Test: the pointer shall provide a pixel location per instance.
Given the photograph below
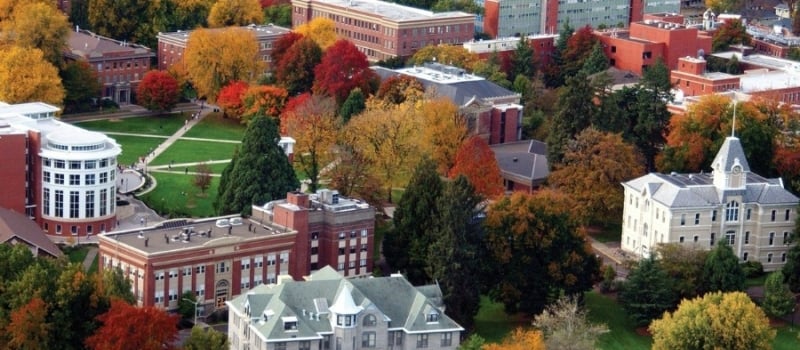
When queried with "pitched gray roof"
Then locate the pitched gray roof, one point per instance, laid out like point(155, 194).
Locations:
point(394, 296)
point(459, 92)
point(14, 225)
point(523, 161)
point(730, 151)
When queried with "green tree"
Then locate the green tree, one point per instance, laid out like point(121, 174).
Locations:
point(652, 116)
point(778, 299)
point(791, 270)
point(565, 326)
point(684, 265)
point(279, 14)
point(728, 321)
point(79, 13)
point(406, 245)
point(80, 85)
point(648, 292)
point(576, 110)
point(456, 254)
point(597, 60)
point(353, 105)
point(522, 60)
point(721, 271)
point(474, 342)
point(206, 339)
point(261, 172)
point(186, 305)
point(537, 251)
point(76, 303)
point(553, 76)
point(114, 284)
point(490, 69)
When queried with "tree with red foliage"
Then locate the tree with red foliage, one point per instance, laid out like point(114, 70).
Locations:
point(293, 105)
point(476, 161)
point(130, 327)
point(342, 69)
point(295, 70)
point(264, 100)
point(158, 90)
point(29, 328)
point(230, 99)
point(282, 45)
point(579, 47)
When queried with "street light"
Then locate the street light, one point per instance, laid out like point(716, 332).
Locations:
point(195, 308)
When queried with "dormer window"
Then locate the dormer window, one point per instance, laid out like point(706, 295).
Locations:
point(267, 315)
point(370, 321)
point(432, 317)
point(289, 323)
point(346, 320)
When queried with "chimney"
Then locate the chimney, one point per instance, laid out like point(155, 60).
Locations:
point(297, 198)
point(146, 240)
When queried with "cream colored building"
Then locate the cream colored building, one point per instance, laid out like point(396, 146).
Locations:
point(753, 214)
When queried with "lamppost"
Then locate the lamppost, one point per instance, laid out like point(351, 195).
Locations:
point(195, 308)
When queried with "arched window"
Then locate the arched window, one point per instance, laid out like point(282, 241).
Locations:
point(732, 211)
point(370, 321)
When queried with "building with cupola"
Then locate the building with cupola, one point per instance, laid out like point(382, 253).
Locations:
point(56, 174)
point(328, 311)
point(754, 215)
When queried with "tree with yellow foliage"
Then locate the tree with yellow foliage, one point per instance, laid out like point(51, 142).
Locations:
point(235, 13)
point(25, 76)
point(37, 25)
point(721, 6)
point(521, 339)
point(7, 6)
point(321, 30)
point(443, 132)
point(451, 55)
point(215, 58)
point(312, 123)
point(718, 320)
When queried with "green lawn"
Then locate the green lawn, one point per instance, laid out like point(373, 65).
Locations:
point(177, 196)
point(756, 281)
point(213, 126)
point(492, 323)
point(76, 254)
point(622, 333)
point(163, 124)
point(185, 151)
point(786, 339)
point(217, 168)
point(608, 233)
point(134, 146)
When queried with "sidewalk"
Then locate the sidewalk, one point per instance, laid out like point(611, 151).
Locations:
point(90, 256)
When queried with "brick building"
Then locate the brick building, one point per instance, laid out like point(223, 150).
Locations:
point(219, 258)
point(171, 45)
point(504, 18)
point(120, 65)
point(692, 79)
point(383, 30)
point(57, 174)
point(658, 36)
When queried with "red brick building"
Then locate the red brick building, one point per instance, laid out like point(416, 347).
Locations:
point(119, 65)
point(644, 42)
point(383, 30)
point(692, 79)
point(171, 46)
point(220, 258)
point(59, 175)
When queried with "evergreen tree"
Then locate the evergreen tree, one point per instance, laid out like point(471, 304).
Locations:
point(522, 60)
point(406, 245)
point(648, 292)
point(553, 75)
point(597, 60)
point(576, 110)
point(224, 179)
point(721, 271)
point(791, 270)
point(778, 299)
point(353, 105)
point(653, 117)
point(262, 172)
point(456, 255)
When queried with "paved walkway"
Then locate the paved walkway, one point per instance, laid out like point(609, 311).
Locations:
point(90, 256)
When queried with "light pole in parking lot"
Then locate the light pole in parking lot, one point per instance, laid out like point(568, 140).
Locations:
point(195, 308)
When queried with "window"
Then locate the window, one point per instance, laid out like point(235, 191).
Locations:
point(46, 177)
point(447, 339)
point(353, 234)
point(786, 216)
point(748, 213)
point(340, 267)
point(246, 285)
point(74, 179)
point(785, 237)
point(314, 236)
point(364, 232)
point(89, 179)
point(58, 228)
point(711, 241)
point(280, 346)
point(246, 264)
point(352, 249)
point(46, 202)
point(747, 237)
point(305, 345)
point(351, 264)
point(74, 230)
point(696, 238)
point(680, 239)
point(773, 215)
point(103, 178)
point(74, 204)
point(59, 179)
point(730, 237)
point(697, 218)
point(173, 273)
point(270, 259)
point(432, 317)
point(368, 340)
point(364, 247)
point(59, 204)
point(771, 238)
point(200, 269)
point(341, 235)
point(284, 258)
point(58, 164)
point(713, 215)
point(159, 275)
point(370, 321)
point(683, 219)
point(783, 257)
point(362, 262)
point(103, 202)
point(341, 251)
point(187, 271)
point(221, 267)
point(90, 164)
point(422, 341)
point(74, 164)
point(732, 211)
point(259, 262)
point(769, 257)
point(744, 256)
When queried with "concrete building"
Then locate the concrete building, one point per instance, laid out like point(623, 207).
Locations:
point(383, 30)
point(504, 18)
point(220, 258)
point(119, 65)
point(657, 36)
point(543, 47)
point(327, 311)
point(492, 112)
point(752, 214)
point(172, 45)
point(57, 174)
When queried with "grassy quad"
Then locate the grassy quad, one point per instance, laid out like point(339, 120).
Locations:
point(162, 125)
point(213, 126)
point(177, 196)
point(189, 151)
point(134, 146)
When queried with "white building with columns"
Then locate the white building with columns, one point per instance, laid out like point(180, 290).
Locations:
point(753, 214)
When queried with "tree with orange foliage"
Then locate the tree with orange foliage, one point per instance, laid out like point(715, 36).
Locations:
point(29, 328)
point(443, 132)
point(398, 88)
point(342, 69)
point(158, 91)
point(538, 250)
point(263, 100)
point(312, 123)
point(594, 165)
point(230, 99)
point(520, 339)
point(129, 327)
point(476, 161)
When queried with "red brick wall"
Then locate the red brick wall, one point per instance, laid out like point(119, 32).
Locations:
point(628, 55)
point(551, 17)
point(771, 49)
point(13, 172)
point(490, 17)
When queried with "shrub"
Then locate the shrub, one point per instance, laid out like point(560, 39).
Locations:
point(753, 269)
